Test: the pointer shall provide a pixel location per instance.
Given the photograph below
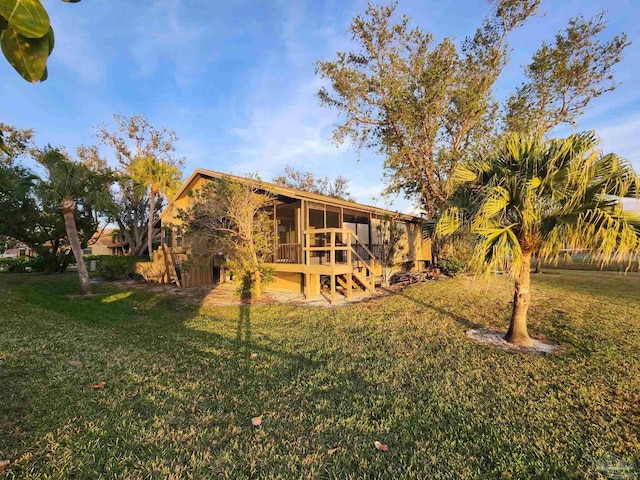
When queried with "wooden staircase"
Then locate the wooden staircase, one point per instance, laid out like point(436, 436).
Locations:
point(354, 281)
point(350, 263)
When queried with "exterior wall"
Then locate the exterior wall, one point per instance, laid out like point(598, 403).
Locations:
point(102, 244)
point(183, 202)
point(286, 281)
point(100, 249)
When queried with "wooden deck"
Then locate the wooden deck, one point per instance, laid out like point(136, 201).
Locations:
point(334, 252)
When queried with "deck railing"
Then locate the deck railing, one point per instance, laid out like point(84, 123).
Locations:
point(288, 253)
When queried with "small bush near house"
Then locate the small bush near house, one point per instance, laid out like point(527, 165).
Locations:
point(451, 266)
point(37, 264)
point(118, 268)
point(14, 265)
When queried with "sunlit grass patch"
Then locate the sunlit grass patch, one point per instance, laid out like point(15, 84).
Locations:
point(115, 297)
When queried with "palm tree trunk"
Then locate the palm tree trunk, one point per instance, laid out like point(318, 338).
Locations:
point(152, 202)
point(68, 207)
point(518, 333)
point(538, 265)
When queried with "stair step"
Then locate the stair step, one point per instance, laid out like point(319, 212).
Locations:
point(362, 280)
point(343, 283)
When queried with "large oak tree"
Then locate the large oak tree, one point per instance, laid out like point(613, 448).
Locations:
point(424, 105)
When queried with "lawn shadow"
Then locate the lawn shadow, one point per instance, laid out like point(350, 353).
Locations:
point(154, 332)
point(464, 322)
point(243, 332)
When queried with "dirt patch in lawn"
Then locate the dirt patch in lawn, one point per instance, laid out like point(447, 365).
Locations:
point(495, 338)
point(226, 294)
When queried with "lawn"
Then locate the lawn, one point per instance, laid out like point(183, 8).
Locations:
point(182, 384)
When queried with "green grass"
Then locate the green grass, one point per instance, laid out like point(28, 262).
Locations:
point(182, 388)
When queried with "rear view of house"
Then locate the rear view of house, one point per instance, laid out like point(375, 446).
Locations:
point(318, 238)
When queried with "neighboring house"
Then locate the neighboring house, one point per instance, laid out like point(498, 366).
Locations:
point(103, 242)
point(317, 237)
point(20, 250)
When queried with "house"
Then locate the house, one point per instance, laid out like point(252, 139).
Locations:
point(318, 239)
point(19, 250)
point(106, 242)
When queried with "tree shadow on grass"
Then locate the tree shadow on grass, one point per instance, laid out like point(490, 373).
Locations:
point(464, 322)
point(243, 332)
point(156, 365)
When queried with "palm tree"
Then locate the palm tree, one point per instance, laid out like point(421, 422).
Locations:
point(68, 183)
point(117, 236)
point(159, 178)
point(536, 197)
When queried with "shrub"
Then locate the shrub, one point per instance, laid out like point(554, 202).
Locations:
point(150, 271)
point(37, 264)
point(451, 266)
point(118, 268)
point(14, 265)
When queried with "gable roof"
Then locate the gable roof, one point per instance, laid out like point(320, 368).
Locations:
point(291, 193)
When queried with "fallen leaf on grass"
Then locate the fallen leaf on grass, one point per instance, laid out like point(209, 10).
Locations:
point(99, 385)
point(331, 451)
point(253, 355)
point(4, 464)
point(256, 421)
point(381, 446)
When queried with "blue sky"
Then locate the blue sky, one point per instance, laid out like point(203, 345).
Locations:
point(236, 79)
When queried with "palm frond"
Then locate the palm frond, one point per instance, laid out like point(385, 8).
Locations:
point(545, 197)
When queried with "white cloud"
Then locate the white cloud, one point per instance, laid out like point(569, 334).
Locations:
point(294, 131)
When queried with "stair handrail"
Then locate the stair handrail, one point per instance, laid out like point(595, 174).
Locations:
point(368, 266)
point(366, 249)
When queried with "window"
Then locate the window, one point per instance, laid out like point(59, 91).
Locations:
point(86, 251)
point(179, 237)
point(168, 237)
point(377, 231)
point(316, 218)
point(333, 219)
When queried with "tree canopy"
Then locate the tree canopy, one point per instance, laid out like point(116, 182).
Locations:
point(307, 181)
point(427, 106)
point(14, 143)
point(71, 185)
point(158, 179)
point(136, 143)
point(423, 105)
point(564, 77)
point(234, 219)
point(29, 215)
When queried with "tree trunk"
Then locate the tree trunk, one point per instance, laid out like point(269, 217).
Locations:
point(68, 207)
point(257, 284)
point(152, 199)
point(385, 275)
point(518, 333)
point(538, 265)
